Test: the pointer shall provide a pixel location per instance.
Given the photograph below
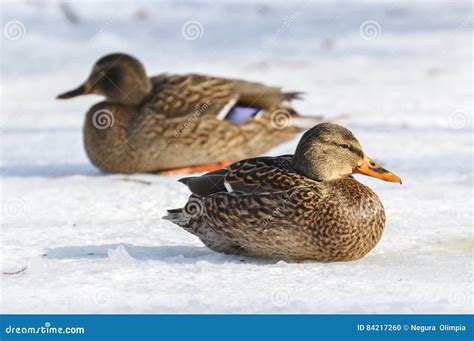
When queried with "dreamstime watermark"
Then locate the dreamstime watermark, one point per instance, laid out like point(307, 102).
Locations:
point(461, 296)
point(103, 296)
point(279, 210)
point(370, 30)
point(192, 30)
point(193, 207)
point(103, 119)
point(107, 25)
point(14, 30)
point(281, 297)
point(287, 22)
point(464, 24)
point(199, 110)
point(14, 207)
point(280, 119)
point(46, 329)
point(459, 120)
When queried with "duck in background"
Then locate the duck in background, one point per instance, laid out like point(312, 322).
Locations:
point(173, 124)
point(305, 206)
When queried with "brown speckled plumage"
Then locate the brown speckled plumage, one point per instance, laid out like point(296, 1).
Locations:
point(174, 121)
point(265, 207)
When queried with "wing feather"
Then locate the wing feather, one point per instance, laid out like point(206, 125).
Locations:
point(181, 95)
point(256, 175)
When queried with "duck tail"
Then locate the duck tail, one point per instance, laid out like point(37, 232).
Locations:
point(178, 217)
point(291, 95)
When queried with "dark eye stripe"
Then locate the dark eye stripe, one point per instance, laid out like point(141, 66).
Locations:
point(352, 149)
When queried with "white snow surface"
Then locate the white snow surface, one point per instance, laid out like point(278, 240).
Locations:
point(407, 91)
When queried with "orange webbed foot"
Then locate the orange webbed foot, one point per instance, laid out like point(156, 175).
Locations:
point(209, 167)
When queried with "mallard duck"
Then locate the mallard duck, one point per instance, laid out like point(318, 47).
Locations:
point(305, 206)
point(180, 123)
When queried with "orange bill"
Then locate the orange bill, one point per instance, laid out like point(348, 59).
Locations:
point(84, 89)
point(373, 169)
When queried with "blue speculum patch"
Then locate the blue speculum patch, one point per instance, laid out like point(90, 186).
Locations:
point(241, 114)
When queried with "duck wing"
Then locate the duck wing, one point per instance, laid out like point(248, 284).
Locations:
point(227, 99)
point(256, 175)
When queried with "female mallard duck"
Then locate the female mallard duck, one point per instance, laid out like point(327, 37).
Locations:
point(301, 206)
point(178, 123)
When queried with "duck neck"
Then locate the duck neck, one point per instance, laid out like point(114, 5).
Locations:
point(133, 97)
point(105, 133)
point(318, 162)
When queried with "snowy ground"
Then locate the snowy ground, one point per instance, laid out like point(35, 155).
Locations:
point(401, 70)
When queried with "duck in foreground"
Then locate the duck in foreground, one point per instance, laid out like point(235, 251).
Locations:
point(305, 206)
point(180, 123)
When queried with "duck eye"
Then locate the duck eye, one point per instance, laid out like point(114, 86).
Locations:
point(346, 146)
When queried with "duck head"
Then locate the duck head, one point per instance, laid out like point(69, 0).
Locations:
point(328, 151)
point(119, 77)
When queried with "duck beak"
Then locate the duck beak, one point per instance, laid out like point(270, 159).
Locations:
point(84, 89)
point(373, 169)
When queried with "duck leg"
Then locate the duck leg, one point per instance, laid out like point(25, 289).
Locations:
point(207, 167)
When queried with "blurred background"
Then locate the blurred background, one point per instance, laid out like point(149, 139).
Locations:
point(400, 70)
point(341, 53)
point(395, 63)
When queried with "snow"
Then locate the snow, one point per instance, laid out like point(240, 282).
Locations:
point(407, 91)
